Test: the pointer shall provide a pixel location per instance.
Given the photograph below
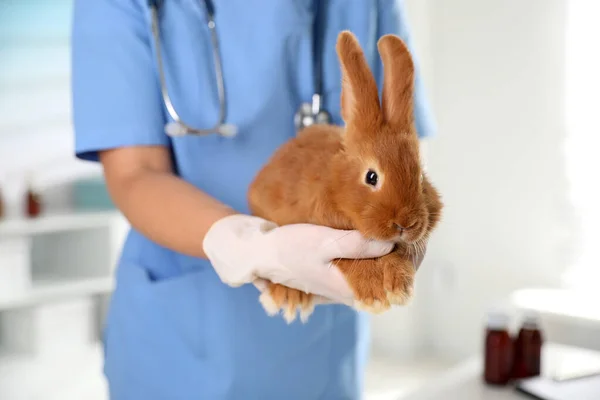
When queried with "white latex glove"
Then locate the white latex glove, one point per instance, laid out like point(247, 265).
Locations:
point(244, 248)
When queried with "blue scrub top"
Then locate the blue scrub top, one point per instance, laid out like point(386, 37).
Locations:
point(174, 331)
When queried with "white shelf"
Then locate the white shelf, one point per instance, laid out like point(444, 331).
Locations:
point(56, 223)
point(44, 291)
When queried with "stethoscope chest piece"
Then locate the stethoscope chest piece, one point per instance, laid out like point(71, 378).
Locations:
point(314, 112)
point(307, 116)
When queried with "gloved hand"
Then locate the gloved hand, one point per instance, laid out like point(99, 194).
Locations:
point(243, 249)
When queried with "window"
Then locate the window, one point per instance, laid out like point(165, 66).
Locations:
point(35, 94)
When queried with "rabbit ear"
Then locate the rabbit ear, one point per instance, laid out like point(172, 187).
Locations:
point(360, 97)
point(398, 84)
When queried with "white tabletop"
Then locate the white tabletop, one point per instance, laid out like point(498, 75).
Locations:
point(465, 382)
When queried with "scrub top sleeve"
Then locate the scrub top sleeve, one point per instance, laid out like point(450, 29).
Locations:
point(115, 91)
point(392, 18)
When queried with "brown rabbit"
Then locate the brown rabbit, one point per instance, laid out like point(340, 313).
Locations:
point(366, 176)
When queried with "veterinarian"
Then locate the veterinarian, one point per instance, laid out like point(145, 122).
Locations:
point(178, 154)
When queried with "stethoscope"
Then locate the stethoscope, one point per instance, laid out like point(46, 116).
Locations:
point(307, 114)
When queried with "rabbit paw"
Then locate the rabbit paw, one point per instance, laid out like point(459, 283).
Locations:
point(277, 297)
point(398, 276)
point(366, 278)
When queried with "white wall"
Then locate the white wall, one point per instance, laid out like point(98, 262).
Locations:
point(498, 160)
point(518, 177)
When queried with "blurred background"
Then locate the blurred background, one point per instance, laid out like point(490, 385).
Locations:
point(515, 90)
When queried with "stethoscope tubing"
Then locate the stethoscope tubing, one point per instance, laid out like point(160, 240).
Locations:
point(179, 128)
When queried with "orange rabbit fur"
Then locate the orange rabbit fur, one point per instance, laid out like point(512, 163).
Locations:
point(365, 176)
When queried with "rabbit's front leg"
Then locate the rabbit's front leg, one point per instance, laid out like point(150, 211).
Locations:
point(399, 273)
point(381, 282)
point(366, 278)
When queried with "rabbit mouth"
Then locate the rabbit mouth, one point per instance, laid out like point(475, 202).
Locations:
point(398, 227)
point(403, 238)
point(408, 235)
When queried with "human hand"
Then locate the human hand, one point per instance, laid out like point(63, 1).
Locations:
point(245, 248)
point(263, 285)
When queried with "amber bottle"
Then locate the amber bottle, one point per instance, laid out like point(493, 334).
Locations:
point(528, 348)
point(34, 204)
point(498, 357)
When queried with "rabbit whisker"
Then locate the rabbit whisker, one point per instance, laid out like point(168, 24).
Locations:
point(340, 238)
point(416, 251)
point(335, 241)
point(360, 254)
point(418, 248)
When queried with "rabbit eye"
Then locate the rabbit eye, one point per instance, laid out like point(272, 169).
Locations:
point(371, 178)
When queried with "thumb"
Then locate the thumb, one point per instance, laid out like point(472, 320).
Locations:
point(352, 244)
